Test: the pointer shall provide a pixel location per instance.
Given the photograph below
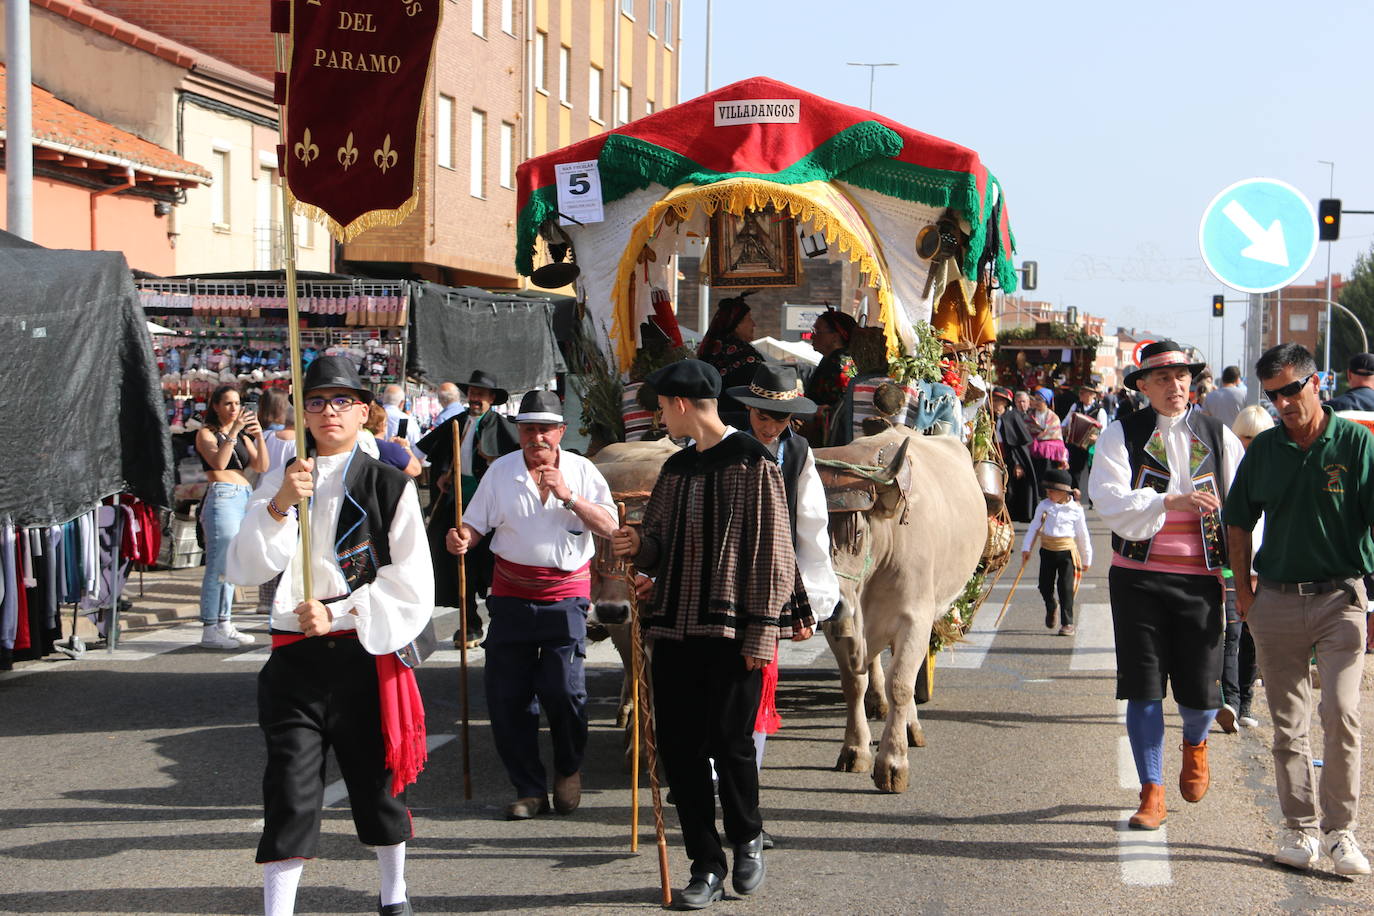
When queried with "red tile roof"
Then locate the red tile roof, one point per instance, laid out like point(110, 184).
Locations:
point(59, 126)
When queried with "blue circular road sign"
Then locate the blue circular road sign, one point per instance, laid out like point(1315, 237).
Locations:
point(1258, 235)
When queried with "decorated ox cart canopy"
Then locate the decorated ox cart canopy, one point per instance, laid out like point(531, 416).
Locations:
point(628, 199)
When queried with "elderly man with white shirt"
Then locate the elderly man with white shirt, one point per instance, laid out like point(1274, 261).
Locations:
point(1158, 479)
point(543, 505)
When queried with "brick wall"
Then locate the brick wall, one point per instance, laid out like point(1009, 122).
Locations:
point(235, 31)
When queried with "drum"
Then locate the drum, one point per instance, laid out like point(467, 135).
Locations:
point(1083, 430)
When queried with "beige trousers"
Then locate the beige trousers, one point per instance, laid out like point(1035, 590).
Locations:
point(1287, 629)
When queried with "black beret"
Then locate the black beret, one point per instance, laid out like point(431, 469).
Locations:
point(687, 378)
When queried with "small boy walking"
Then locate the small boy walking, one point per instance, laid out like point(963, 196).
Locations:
point(1065, 551)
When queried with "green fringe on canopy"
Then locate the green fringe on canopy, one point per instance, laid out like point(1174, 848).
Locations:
point(861, 155)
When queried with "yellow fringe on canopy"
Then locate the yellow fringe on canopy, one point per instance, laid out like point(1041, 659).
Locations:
point(372, 219)
point(818, 203)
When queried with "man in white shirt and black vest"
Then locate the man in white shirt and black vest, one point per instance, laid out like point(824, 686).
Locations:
point(542, 505)
point(334, 679)
point(1158, 479)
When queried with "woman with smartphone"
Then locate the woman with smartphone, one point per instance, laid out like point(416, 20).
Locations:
point(229, 445)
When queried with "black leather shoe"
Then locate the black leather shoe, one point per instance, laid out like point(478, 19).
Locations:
point(701, 892)
point(395, 909)
point(748, 872)
point(767, 840)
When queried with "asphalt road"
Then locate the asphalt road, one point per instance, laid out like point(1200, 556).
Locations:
point(131, 785)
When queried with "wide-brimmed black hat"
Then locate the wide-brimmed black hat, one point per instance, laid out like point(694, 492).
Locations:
point(686, 378)
point(1162, 354)
point(485, 380)
point(775, 389)
point(1057, 479)
point(540, 407)
point(335, 372)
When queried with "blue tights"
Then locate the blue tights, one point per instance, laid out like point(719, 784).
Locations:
point(1145, 726)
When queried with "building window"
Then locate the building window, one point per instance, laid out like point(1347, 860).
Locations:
point(541, 48)
point(508, 16)
point(594, 94)
point(219, 197)
point(565, 75)
point(443, 132)
point(628, 8)
point(507, 155)
point(479, 145)
point(479, 17)
point(668, 24)
point(653, 17)
point(649, 107)
point(305, 232)
point(1297, 322)
point(267, 229)
point(622, 106)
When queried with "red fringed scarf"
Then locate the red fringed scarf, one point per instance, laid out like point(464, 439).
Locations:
point(541, 583)
point(403, 712)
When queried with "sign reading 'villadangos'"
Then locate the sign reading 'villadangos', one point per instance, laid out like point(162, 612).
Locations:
point(354, 102)
point(758, 111)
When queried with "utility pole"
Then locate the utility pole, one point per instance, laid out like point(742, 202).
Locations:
point(19, 121)
point(872, 69)
point(1331, 193)
point(707, 87)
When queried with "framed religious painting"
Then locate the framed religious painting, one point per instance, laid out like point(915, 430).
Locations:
point(758, 248)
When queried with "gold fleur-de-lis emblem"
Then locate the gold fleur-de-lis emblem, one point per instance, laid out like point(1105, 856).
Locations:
point(306, 151)
point(385, 157)
point(347, 153)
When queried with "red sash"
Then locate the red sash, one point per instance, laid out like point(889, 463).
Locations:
point(403, 712)
point(541, 583)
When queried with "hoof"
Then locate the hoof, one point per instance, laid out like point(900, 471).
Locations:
point(916, 735)
point(889, 777)
point(875, 707)
point(622, 718)
point(854, 760)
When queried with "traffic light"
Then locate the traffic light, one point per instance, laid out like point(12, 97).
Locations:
point(1328, 219)
point(1030, 275)
point(1218, 306)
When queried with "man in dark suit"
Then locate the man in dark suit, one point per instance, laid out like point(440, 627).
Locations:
point(485, 435)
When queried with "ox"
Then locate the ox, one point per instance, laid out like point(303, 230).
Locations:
point(902, 554)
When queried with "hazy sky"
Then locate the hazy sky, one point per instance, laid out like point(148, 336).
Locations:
point(1111, 126)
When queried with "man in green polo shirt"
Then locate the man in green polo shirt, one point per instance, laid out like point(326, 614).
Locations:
point(1313, 479)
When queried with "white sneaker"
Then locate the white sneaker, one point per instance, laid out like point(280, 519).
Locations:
point(213, 638)
point(1226, 718)
point(1346, 858)
point(1248, 721)
point(243, 639)
point(1297, 849)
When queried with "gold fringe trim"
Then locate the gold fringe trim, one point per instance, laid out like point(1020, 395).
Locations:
point(372, 219)
point(735, 196)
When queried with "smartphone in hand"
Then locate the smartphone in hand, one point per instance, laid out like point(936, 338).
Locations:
point(401, 426)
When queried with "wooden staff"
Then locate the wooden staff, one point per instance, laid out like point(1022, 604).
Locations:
point(1017, 581)
point(634, 705)
point(641, 689)
point(456, 483)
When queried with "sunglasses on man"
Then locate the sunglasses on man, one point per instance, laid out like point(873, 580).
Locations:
point(1288, 391)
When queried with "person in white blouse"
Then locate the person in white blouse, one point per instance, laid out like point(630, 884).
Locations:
point(1158, 478)
point(334, 678)
point(543, 506)
point(1065, 549)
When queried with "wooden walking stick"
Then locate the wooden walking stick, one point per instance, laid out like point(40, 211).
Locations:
point(456, 483)
point(641, 689)
point(634, 703)
point(1017, 581)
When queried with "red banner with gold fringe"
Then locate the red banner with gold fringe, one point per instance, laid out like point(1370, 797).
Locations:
point(354, 95)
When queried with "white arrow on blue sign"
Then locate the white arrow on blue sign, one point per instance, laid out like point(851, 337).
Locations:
point(1258, 235)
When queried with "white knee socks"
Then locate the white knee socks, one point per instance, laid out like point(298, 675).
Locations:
point(392, 860)
point(279, 882)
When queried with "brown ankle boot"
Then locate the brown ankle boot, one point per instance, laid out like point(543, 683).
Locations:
point(1194, 777)
point(1151, 813)
point(1152, 808)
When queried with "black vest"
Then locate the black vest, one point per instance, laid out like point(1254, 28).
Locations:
point(362, 542)
point(793, 459)
point(1148, 471)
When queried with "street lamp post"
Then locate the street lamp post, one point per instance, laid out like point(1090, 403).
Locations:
point(872, 69)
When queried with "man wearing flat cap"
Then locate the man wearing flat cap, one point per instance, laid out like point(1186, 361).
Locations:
point(717, 539)
point(542, 506)
point(485, 435)
point(334, 679)
point(1158, 479)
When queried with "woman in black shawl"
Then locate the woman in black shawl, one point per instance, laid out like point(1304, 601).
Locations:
point(1014, 438)
point(726, 346)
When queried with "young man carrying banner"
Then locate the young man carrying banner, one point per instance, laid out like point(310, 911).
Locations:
point(334, 679)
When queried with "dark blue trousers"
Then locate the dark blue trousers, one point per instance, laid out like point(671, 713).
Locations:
point(535, 655)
